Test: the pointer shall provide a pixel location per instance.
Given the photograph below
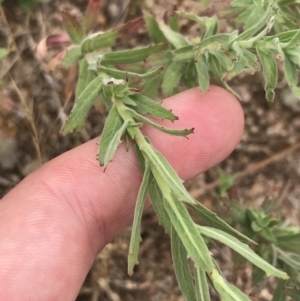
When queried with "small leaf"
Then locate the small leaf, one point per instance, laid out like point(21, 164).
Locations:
point(291, 75)
point(91, 15)
point(73, 27)
point(181, 266)
point(214, 221)
point(226, 291)
point(151, 86)
point(112, 146)
point(210, 24)
point(176, 39)
point(147, 106)
point(203, 74)
point(112, 125)
point(242, 249)
point(72, 56)
point(202, 289)
point(124, 74)
point(136, 226)
point(109, 38)
point(186, 53)
point(270, 72)
point(172, 78)
point(131, 56)
point(157, 203)
point(143, 119)
point(85, 77)
point(82, 106)
point(187, 232)
point(153, 28)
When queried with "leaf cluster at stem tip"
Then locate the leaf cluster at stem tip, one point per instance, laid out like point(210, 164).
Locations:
point(128, 82)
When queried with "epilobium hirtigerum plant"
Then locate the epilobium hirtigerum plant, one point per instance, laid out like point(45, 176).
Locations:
point(128, 82)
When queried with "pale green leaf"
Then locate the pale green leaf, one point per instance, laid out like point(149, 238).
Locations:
point(201, 285)
point(147, 106)
point(112, 125)
point(210, 24)
point(183, 54)
point(82, 105)
point(113, 144)
point(157, 203)
point(151, 86)
point(291, 75)
point(73, 27)
point(226, 291)
point(181, 267)
point(203, 73)
point(147, 121)
point(172, 78)
point(214, 221)
point(174, 38)
point(153, 28)
point(136, 226)
point(84, 78)
point(131, 56)
point(243, 250)
point(188, 233)
point(124, 74)
point(109, 38)
point(269, 67)
point(72, 56)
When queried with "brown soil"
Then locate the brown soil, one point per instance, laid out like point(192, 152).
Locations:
point(37, 94)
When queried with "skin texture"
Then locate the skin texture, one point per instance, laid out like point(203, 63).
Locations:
point(56, 220)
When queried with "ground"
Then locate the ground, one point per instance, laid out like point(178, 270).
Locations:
point(36, 96)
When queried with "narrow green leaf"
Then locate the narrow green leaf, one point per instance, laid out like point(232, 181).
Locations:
point(226, 291)
point(270, 72)
point(157, 203)
point(291, 75)
point(153, 28)
point(72, 56)
point(145, 120)
point(73, 27)
point(242, 249)
point(294, 42)
point(131, 56)
point(151, 86)
point(109, 38)
point(219, 42)
point(176, 39)
point(147, 106)
point(186, 53)
point(210, 24)
point(224, 61)
point(82, 105)
point(181, 267)
point(91, 15)
point(136, 226)
point(279, 294)
point(127, 100)
point(112, 125)
point(203, 74)
point(113, 144)
point(214, 221)
point(187, 231)
point(201, 285)
point(124, 74)
point(172, 78)
point(84, 78)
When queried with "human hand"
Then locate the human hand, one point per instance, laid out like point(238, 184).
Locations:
point(57, 219)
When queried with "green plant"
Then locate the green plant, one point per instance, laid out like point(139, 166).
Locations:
point(127, 81)
point(278, 243)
